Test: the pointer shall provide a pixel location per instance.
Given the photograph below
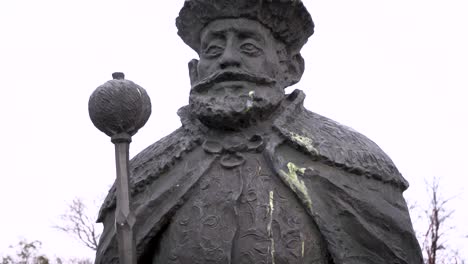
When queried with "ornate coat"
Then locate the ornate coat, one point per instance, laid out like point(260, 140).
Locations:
point(345, 182)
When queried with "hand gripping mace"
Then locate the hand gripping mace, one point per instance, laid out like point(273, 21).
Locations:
point(119, 108)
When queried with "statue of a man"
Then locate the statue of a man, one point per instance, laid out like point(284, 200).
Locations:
point(252, 176)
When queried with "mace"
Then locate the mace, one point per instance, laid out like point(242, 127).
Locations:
point(119, 108)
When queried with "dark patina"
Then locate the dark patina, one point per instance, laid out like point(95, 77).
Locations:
point(252, 176)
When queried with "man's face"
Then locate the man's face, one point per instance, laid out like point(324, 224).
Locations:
point(239, 75)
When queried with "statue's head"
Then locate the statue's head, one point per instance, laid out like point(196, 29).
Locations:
point(249, 52)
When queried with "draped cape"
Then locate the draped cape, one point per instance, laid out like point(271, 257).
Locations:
point(347, 184)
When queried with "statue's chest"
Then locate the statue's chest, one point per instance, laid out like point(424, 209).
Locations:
point(241, 215)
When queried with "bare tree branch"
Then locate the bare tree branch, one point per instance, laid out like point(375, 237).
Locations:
point(435, 245)
point(77, 223)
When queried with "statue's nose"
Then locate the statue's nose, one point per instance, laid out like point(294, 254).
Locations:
point(229, 59)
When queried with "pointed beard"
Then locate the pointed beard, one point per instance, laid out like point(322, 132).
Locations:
point(230, 111)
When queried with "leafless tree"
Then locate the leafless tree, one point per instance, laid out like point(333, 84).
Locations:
point(78, 223)
point(435, 246)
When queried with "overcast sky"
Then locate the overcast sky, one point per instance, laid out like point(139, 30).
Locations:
point(396, 71)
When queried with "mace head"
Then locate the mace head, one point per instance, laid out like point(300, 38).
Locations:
point(119, 108)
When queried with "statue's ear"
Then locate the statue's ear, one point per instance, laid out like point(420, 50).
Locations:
point(193, 71)
point(295, 69)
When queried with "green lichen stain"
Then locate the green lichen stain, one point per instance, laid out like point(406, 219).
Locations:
point(271, 208)
point(249, 102)
point(296, 184)
point(305, 142)
point(303, 249)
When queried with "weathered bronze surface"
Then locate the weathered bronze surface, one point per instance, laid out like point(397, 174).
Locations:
point(119, 108)
point(252, 176)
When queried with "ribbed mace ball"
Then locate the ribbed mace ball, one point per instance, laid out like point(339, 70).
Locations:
point(119, 108)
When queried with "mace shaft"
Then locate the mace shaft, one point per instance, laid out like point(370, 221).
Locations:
point(124, 217)
point(119, 108)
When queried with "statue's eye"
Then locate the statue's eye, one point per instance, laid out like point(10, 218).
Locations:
point(213, 51)
point(250, 49)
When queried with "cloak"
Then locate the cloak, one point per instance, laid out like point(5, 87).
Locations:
point(346, 183)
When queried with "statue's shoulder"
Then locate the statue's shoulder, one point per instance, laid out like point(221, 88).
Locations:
point(334, 143)
point(154, 160)
point(158, 156)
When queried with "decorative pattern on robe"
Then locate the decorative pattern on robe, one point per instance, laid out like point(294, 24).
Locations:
point(348, 186)
point(240, 212)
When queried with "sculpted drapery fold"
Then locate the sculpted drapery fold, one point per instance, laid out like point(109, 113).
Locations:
point(252, 176)
point(361, 214)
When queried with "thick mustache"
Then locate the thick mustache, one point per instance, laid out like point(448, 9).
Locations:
point(223, 76)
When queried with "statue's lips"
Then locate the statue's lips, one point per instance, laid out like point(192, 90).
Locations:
point(231, 78)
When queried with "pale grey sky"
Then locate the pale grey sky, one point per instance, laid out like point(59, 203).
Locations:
point(396, 71)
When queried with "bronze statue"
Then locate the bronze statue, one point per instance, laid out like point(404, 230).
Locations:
point(252, 176)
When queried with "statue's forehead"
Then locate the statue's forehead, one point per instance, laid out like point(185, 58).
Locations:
point(244, 26)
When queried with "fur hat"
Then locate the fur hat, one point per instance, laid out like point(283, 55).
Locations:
point(288, 20)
